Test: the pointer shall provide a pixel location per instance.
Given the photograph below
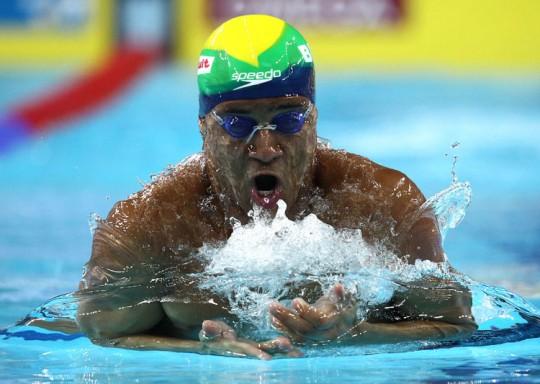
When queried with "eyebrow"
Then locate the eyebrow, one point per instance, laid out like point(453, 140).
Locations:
point(238, 110)
point(289, 106)
point(243, 110)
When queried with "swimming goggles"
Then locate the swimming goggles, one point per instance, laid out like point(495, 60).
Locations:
point(241, 127)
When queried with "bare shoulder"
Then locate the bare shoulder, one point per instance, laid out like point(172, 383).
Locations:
point(177, 187)
point(372, 185)
point(171, 216)
point(337, 167)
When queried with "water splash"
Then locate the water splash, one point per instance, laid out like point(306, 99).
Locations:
point(268, 259)
point(449, 206)
point(454, 145)
point(278, 259)
point(323, 143)
point(93, 222)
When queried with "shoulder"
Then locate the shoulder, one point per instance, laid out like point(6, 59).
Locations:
point(348, 176)
point(176, 209)
point(338, 168)
point(161, 222)
point(179, 186)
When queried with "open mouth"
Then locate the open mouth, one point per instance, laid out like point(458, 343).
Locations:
point(266, 190)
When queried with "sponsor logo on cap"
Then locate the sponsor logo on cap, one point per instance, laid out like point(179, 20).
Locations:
point(306, 53)
point(205, 64)
point(255, 78)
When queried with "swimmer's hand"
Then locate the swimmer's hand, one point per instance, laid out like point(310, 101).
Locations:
point(215, 338)
point(329, 318)
point(218, 338)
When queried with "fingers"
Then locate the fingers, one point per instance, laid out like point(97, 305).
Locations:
point(331, 316)
point(219, 338)
point(308, 312)
point(280, 345)
point(337, 296)
point(304, 319)
point(214, 329)
point(249, 349)
point(291, 334)
point(323, 314)
point(338, 301)
point(235, 348)
point(290, 319)
point(337, 293)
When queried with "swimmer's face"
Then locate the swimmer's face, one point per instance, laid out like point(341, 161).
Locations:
point(271, 165)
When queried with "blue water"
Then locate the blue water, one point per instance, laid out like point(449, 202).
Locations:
point(49, 187)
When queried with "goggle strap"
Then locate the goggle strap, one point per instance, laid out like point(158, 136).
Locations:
point(260, 127)
point(217, 117)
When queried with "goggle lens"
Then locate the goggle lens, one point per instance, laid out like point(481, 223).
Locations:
point(238, 126)
point(289, 122)
point(241, 127)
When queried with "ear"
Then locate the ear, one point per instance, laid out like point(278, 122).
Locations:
point(202, 126)
point(315, 114)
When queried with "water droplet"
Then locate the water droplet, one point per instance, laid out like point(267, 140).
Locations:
point(93, 222)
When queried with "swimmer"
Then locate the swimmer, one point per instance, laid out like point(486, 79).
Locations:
point(258, 120)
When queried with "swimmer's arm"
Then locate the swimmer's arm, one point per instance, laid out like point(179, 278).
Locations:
point(418, 236)
point(147, 342)
point(117, 316)
point(215, 338)
point(110, 302)
point(432, 310)
point(423, 240)
point(132, 328)
point(407, 331)
point(444, 315)
point(366, 332)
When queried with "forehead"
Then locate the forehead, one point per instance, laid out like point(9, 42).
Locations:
point(262, 105)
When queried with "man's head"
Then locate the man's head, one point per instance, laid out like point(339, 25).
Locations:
point(256, 84)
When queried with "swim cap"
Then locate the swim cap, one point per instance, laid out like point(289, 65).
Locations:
point(251, 57)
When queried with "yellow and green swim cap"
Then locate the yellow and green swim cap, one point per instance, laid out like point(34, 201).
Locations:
point(252, 57)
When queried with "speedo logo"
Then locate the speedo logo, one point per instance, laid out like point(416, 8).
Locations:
point(255, 78)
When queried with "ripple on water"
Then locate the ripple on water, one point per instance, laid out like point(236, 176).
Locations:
point(267, 259)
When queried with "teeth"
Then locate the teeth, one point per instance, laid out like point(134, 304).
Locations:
point(265, 193)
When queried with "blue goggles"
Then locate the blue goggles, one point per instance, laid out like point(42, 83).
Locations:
point(242, 127)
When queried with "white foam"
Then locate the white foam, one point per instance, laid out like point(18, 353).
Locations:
point(262, 260)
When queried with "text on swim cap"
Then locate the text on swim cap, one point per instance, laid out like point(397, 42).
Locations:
point(247, 76)
point(255, 78)
point(306, 54)
point(205, 64)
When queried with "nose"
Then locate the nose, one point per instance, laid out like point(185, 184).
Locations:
point(264, 147)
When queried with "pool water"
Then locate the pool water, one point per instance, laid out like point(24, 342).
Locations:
point(51, 185)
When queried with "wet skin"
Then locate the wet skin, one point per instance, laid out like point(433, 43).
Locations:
point(166, 222)
point(233, 164)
